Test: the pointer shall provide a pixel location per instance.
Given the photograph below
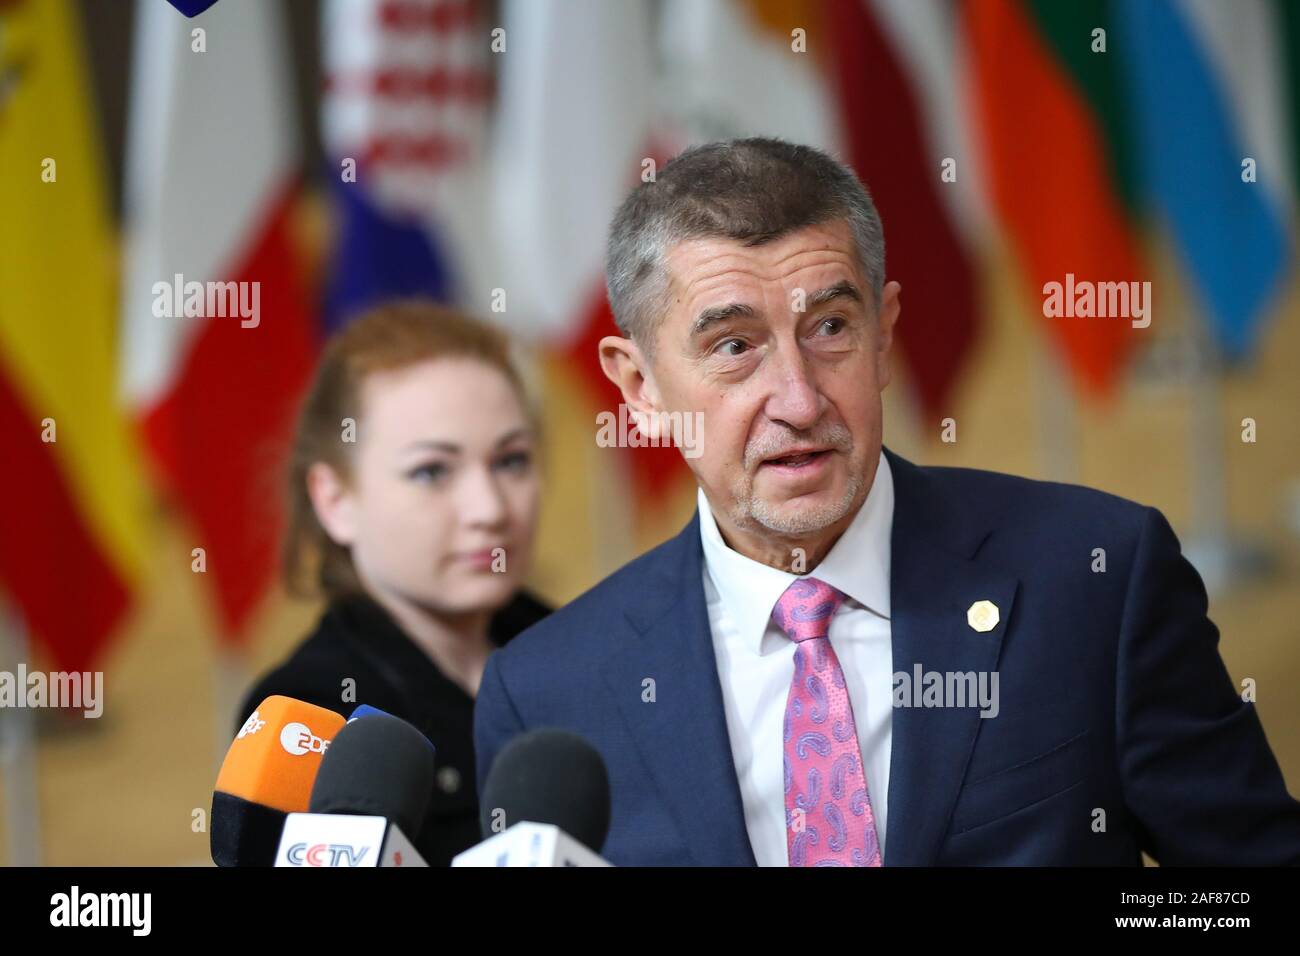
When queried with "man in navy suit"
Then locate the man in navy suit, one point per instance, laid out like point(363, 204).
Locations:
point(844, 658)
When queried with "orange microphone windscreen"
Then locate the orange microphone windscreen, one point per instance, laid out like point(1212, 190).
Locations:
point(274, 758)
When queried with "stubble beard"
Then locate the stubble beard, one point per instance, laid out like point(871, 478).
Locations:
point(752, 511)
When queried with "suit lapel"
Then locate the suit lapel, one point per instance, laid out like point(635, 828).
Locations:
point(934, 579)
point(681, 735)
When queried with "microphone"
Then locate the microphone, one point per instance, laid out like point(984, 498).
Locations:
point(373, 788)
point(545, 803)
point(191, 8)
point(267, 774)
point(364, 710)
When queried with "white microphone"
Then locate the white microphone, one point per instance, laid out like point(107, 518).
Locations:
point(344, 840)
point(550, 790)
point(530, 844)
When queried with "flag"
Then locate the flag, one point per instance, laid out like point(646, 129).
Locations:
point(218, 336)
point(404, 119)
point(1208, 91)
point(1056, 163)
point(576, 122)
point(72, 536)
point(1288, 13)
point(894, 67)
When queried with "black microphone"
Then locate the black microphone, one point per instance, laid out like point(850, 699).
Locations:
point(378, 765)
point(373, 788)
point(550, 777)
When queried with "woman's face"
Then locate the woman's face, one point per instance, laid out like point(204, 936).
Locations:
point(442, 503)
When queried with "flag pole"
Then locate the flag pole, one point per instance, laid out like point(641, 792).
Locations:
point(1222, 559)
point(1057, 425)
point(229, 681)
point(18, 753)
point(1209, 548)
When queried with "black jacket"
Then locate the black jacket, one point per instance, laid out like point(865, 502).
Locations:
point(357, 639)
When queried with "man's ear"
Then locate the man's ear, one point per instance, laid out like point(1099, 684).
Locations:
point(886, 317)
point(333, 503)
point(625, 365)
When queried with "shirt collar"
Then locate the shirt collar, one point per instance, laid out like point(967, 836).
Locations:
point(858, 563)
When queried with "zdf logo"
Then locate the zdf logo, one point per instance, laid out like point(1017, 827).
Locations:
point(298, 739)
point(251, 726)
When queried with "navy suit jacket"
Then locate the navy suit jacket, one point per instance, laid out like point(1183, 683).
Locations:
point(1119, 731)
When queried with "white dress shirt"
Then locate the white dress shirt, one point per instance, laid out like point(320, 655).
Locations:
point(756, 659)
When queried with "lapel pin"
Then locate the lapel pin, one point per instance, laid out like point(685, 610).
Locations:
point(983, 616)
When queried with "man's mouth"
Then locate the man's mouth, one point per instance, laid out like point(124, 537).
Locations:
point(798, 459)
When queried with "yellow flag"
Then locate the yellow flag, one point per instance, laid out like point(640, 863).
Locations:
point(72, 465)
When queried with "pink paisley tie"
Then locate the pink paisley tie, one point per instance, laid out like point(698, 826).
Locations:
point(828, 818)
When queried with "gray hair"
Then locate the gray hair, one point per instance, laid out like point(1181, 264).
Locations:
point(751, 190)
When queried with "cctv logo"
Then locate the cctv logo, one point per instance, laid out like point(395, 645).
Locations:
point(252, 726)
point(298, 739)
point(340, 854)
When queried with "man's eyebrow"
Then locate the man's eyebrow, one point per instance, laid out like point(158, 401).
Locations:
point(844, 289)
point(720, 313)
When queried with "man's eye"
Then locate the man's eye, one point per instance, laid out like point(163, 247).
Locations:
point(831, 326)
point(732, 347)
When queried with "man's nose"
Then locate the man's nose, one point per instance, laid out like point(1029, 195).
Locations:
point(793, 397)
